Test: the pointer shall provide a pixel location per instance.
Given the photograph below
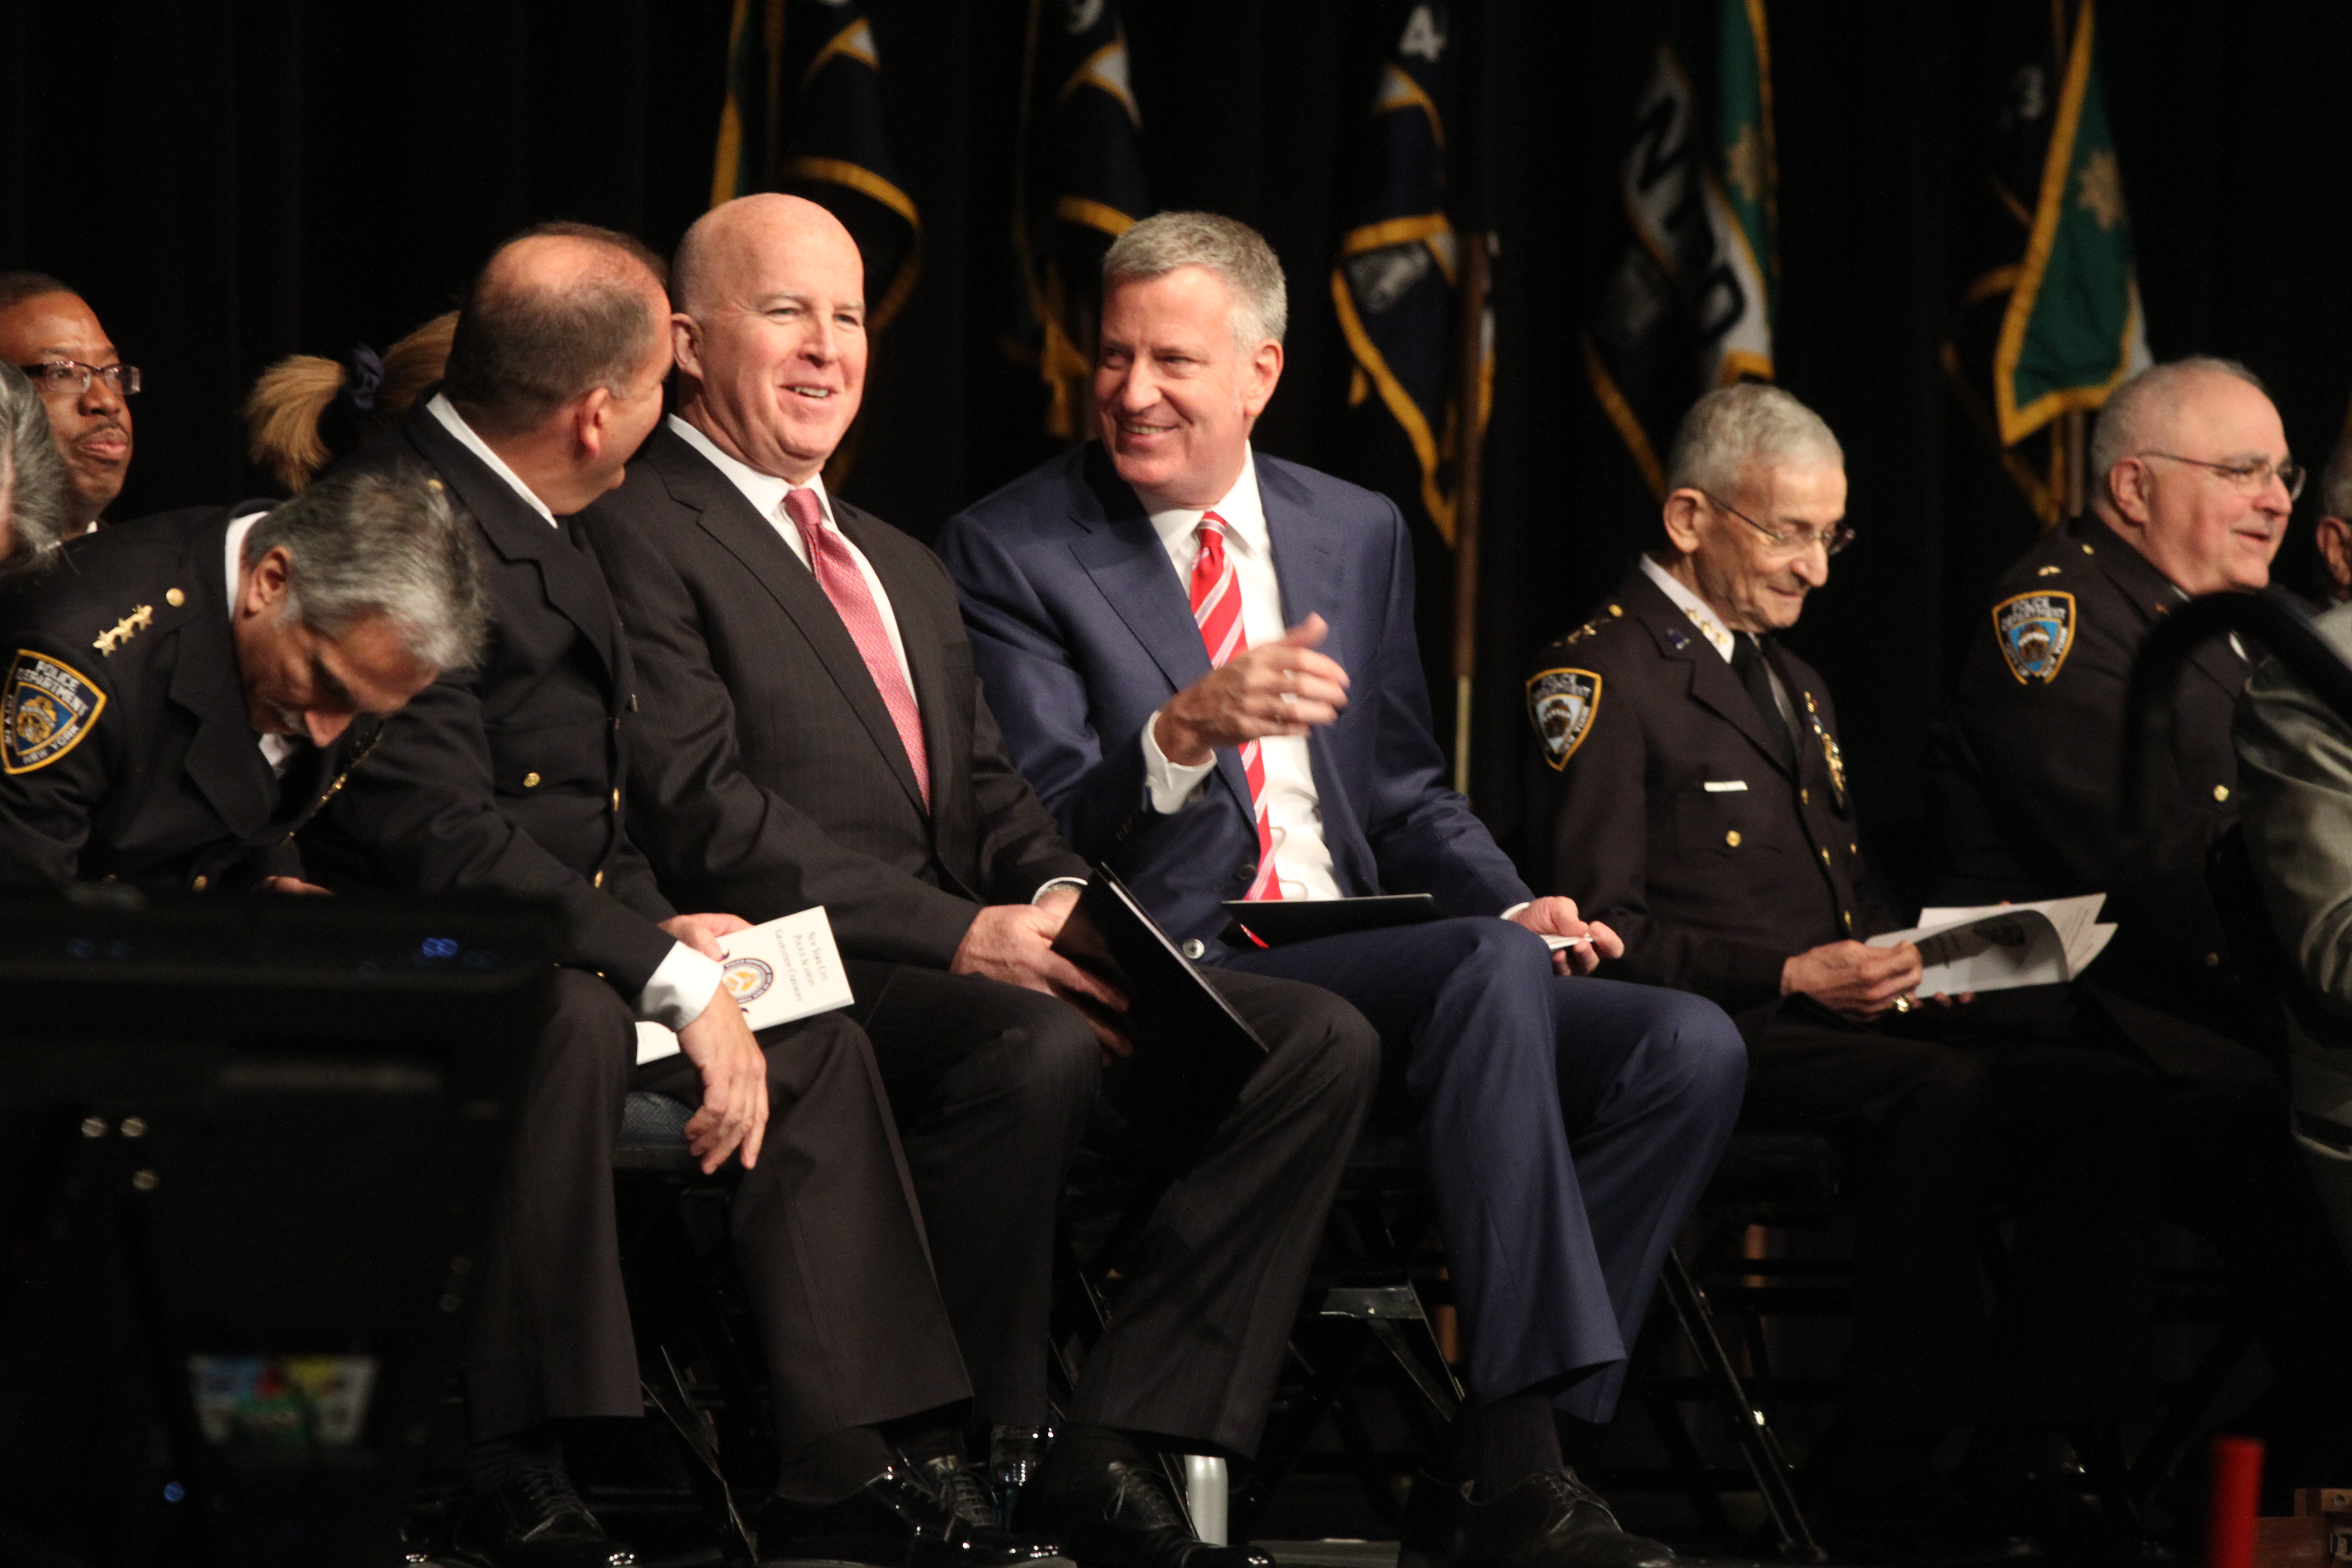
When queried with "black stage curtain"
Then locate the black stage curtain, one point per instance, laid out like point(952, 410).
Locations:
point(228, 183)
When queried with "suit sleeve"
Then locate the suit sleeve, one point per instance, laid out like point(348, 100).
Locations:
point(1592, 836)
point(1423, 837)
point(2295, 773)
point(711, 833)
point(423, 812)
point(48, 796)
point(1094, 789)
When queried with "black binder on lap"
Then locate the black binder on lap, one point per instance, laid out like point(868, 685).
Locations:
point(1279, 922)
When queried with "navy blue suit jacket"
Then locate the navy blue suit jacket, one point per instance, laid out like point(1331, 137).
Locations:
point(1081, 630)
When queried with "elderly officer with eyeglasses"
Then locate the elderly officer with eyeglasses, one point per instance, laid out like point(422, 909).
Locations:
point(1694, 797)
point(2191, 485)
point(50, 334)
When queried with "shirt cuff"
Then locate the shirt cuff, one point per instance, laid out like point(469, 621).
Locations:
point(1512, 912)
point(1076, 883)
point(1173, 785)
point(682, 986)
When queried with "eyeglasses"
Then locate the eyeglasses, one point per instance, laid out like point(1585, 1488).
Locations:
point(71, 378)
point(1791, 542)
point(2247, 478)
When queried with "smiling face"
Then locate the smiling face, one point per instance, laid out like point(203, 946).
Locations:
point(300, 681)
point(93, 428)
point(1175, 393)
point(771, 335)
point(1753, 583)
point(2205, 530)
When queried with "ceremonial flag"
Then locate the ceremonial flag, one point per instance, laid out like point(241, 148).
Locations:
point(1078, 95)
point(1689, 305)
point(804, 114)
point(2050, 321)
point(1396, 283)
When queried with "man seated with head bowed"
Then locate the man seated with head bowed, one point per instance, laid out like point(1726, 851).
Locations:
point(509, 775)
point(816, 735)
point(1695, 795)
point(180, 699)
point(2191, 487)
point(34, 494)
point(48, 331)
point(1207, 664)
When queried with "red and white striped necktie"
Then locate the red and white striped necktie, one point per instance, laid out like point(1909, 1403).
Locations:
point(837, 575)
point(1217, 611)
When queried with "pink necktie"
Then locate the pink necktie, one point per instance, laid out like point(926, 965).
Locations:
point(1217, 611)
point(837, 575)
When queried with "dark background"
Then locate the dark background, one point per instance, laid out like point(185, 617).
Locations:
point(228, 183)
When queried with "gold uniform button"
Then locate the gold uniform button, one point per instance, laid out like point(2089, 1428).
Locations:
point(616, 800)
point(1732, 839)
point(1804, 797)
point(1854, 848)
point(1616, 610)
point(174, 598)
point(530, 781)
point(1847, 916)
point(200, 883)
point(1825, 854)
point(2212, 961)
point(597, 880)
point(2221, 792)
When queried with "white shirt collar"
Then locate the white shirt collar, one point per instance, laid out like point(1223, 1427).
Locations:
point(1243, 511)
point(455, 423)
point(1709, 624)
point(764, 491)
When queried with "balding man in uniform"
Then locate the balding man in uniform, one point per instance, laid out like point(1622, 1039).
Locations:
point(509, 776)
point(2192, 486)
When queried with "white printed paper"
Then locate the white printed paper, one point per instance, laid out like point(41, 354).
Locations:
point(786, 969)
point(1997, 947)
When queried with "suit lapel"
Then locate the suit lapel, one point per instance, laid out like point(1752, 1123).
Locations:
point(515, 530)
point(1712, 683)
point(225, 761)
point(752, 539)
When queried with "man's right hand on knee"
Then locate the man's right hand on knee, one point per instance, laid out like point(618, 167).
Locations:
point(734, 1114)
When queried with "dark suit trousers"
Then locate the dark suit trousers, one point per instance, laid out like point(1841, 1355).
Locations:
point(825, 1233)
point(1569, 1125)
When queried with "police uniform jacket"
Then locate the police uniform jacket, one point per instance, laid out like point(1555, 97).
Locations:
point(127, 752)
point(1667, 808)
point(510, 776)
point(2026, 771)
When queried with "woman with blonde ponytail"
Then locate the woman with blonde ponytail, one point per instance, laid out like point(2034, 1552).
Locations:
point(305, 411)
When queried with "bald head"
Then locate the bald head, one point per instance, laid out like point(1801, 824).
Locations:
point(2185, 466)
point(556, 313)
point(770, 332)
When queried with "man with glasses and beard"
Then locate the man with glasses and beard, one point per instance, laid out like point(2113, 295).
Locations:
point(50, 334)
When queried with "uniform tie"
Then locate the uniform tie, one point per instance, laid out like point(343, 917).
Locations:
point(1217, 611)
point(837, 575)
point(1747, 663)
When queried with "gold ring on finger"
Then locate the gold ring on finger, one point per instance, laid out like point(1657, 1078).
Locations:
point(1904, 1004)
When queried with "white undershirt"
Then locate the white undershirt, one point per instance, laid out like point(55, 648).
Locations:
point(685, 981)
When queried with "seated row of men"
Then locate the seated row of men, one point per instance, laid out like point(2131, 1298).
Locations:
point(549, 641)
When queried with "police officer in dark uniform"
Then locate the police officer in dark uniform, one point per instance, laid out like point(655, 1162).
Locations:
point(508, 776)
point(1694, 799)
point(2191, 490)
point(168, 723)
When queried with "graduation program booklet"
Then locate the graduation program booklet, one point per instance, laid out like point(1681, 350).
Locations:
point(1999, 947)
point(786, 969)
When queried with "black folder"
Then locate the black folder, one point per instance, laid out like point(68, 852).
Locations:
point(1279, 922)
point(1192, 1051)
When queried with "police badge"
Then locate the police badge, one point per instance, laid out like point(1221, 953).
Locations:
point(1560, 704)
point(2036, 632)
point(47, 711)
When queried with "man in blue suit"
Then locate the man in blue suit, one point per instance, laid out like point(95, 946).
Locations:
point(1204, 661)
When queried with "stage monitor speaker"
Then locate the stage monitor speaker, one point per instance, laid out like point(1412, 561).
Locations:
point(246, 1149)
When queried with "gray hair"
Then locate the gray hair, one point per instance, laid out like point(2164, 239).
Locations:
point(1734, 429)
point(2139, 406)
point(34, 495)
point(393, 544)
point(2336, 483)
point(1238, 254)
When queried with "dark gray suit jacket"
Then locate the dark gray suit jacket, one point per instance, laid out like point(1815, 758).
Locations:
point(770, 776)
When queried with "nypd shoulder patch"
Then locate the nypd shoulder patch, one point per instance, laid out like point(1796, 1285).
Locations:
point(47, 710)
point(1562, 704)
point(2036, 632)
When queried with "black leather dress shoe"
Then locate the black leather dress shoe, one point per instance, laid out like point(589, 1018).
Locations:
point(534, 1519)
point(1550, 1519)
point(1121, 1516)
point(932, 1515)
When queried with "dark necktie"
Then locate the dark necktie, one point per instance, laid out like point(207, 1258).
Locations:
point(1747, 663)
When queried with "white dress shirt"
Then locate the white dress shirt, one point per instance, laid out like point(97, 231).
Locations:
point(685, 981)
point(1294, 813)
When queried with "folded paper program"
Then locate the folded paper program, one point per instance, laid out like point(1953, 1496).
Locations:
point(1997, 947)
point(787, 969)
